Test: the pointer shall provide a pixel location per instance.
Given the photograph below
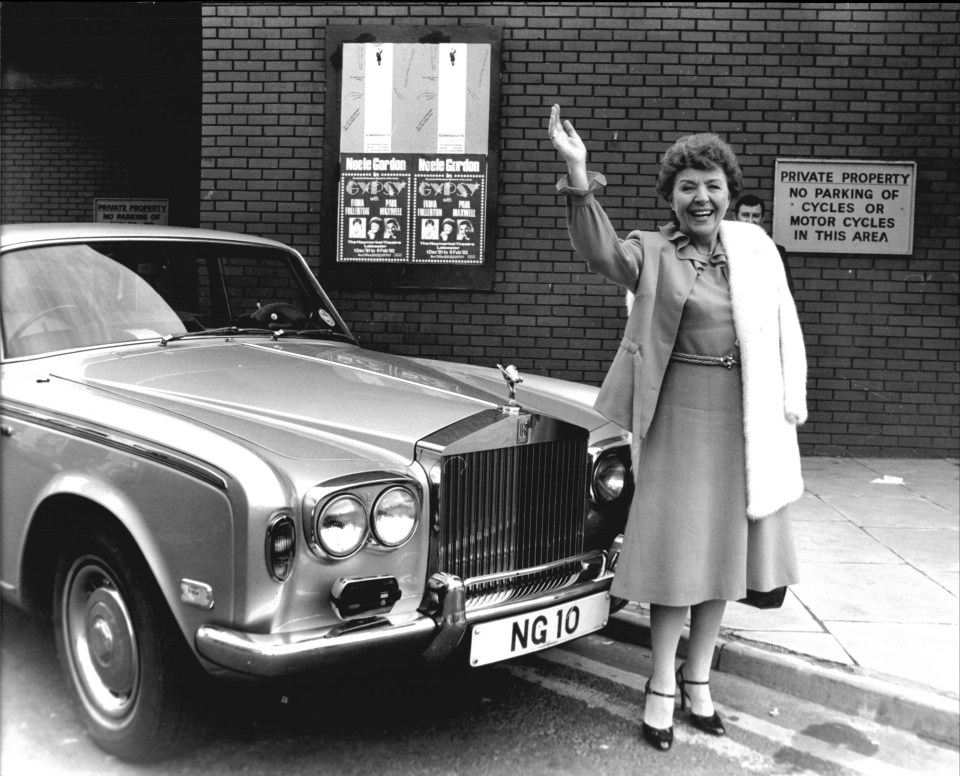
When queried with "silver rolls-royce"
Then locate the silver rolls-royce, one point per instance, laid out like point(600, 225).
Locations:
point(202, 470)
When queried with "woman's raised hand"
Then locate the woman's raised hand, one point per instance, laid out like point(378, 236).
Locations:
point(567, 142)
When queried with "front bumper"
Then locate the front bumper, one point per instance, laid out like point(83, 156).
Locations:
point(434, 635)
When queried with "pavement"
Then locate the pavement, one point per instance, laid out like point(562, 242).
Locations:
point(873, 627)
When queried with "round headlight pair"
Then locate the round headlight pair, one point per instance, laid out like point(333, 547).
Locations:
point(609, 478)
point(343, 524)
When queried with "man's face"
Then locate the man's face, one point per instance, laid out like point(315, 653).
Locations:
point(751, 214)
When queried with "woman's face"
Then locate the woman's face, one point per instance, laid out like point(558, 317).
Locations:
point(700, 200)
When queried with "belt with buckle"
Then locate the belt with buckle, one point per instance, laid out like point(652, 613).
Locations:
point(728, 361)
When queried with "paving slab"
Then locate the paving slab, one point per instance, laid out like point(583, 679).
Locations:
point(938, 480)
point(950, 581)
point(874, 592)
point(839, 485)
point(793, 616)
point(891, 510)
point(839, 543)
point(928, 549)
point(914, 652)
point(813, 508)
point(949, 499)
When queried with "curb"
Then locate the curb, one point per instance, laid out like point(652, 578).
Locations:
point(851, 690)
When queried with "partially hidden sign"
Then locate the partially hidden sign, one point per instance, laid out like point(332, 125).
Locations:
point(152, 212)
point(844, 206)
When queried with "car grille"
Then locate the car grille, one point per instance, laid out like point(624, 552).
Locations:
point(513, 509)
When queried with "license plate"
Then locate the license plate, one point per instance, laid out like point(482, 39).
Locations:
point(533, 631)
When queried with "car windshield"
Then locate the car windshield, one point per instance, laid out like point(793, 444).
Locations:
point(62, 297)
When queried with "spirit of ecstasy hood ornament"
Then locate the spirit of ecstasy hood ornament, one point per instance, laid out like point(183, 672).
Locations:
point(513, 378)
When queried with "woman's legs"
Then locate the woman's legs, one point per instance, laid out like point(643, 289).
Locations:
point(666, 627)
point(705, 619)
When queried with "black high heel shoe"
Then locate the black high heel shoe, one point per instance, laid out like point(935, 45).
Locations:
point(660, 739)
point(712, 725)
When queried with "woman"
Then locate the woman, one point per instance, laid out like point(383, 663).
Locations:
point(374, 227)
point(716, 459)
point(446, 229)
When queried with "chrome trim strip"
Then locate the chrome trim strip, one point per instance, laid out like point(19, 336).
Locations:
point(603, 445)
point(434, 636)
point(174, 461)
point(509, 608)
point(586, 557)
point(278, 655)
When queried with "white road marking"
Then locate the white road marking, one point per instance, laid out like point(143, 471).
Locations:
point(901, 753)
point(748, 759)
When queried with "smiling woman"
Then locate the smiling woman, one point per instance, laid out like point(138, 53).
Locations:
point(699, 177)
point(719, 446)
point(699, 201)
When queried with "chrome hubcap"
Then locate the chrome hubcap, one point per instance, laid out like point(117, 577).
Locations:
point(110, 641)
point(102, 644)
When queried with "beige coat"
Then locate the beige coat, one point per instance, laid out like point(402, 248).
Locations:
point(773, 360)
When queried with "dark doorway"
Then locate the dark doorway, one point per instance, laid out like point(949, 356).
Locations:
point(99, 100)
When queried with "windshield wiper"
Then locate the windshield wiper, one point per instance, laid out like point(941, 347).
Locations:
point(168, 338)
point(320, 333)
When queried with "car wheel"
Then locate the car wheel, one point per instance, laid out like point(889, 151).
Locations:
point(116, 642)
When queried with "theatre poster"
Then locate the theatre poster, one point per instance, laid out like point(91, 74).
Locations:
point(415, 160)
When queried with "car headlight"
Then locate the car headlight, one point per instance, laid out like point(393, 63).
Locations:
point(341, 526)
point(394, 516)
point(609, 478)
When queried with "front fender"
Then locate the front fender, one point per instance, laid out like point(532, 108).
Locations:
point(183, 527)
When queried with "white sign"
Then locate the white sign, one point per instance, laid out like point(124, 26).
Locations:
point(452, 100)
point(844, 206)
point(378, 98)
point(150, 212)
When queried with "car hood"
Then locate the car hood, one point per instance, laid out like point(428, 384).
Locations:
point(311, 400)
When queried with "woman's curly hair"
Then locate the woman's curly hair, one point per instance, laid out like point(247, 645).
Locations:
point(703, 151)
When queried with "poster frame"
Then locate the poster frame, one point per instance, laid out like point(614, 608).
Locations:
point(405, 275)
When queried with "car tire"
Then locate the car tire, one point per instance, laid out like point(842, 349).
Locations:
point(125, 661)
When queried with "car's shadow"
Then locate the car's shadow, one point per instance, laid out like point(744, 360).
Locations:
point(392, 714)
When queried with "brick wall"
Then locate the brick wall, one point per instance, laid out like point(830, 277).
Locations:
point(53, 160)
point(62, 148)
point(863, 81)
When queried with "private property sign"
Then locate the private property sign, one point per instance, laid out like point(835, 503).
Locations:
point(844, 206)
point(131, 211)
